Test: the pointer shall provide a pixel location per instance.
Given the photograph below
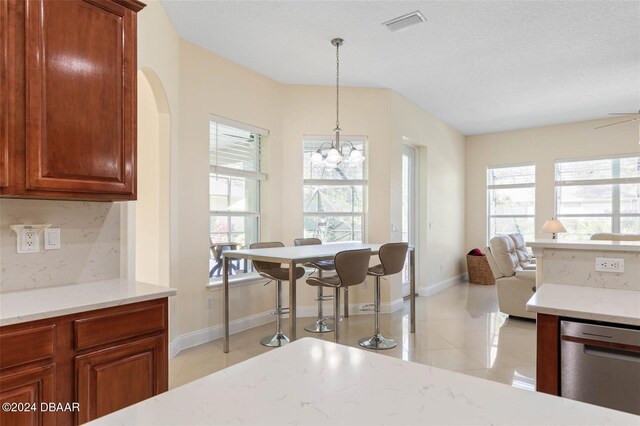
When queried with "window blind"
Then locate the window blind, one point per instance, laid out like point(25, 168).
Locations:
point(598, 171)
point(235, 151)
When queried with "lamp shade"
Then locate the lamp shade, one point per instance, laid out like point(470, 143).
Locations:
point(355, 157)
point(316, 157)
point(334, 156)
point(553, 226)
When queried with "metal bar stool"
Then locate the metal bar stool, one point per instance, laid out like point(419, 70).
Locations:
point(320, 326)
point(392, 257)
point(351, 269)
point(275, 272)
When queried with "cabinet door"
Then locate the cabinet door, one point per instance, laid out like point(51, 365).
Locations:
point(114, 378)
point(4, 94)
point(30, 386)
point(81, 97)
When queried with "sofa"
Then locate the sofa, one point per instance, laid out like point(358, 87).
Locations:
point(514, 270)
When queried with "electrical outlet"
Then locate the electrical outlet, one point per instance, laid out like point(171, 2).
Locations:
point(609, 264)
point(29, 241)
point(28, 237)
point(209, 302)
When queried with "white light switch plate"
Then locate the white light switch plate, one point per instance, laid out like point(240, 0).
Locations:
point(609, 264)
point(52, 239)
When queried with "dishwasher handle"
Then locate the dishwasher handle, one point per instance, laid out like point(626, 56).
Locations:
point(600, 333)
point(618, 354)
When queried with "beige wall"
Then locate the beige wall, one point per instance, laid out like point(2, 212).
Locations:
point(542, 146)
point(441, 201)
point(310, 110)
point(147, 206)
point(199, 83)
point(210, 84)
point(159, 60)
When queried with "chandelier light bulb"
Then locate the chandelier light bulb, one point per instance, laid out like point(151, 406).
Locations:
point(334, 156)
point(316, 157)
point(356, 157)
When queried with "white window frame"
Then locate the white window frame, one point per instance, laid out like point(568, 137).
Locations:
point(508, 186)
point(615, 215)
point(258, 176)
point(341, 182)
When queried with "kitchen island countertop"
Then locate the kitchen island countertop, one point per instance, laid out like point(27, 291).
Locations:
point(590, 303)
point(313, 382)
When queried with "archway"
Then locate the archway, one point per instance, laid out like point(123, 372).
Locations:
point(149, 219)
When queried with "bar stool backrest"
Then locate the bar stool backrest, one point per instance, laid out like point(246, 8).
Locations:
point(352, 266)
point(306, 241)
point(264, 267)
point(392, 256)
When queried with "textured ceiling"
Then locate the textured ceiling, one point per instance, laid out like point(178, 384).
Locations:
point(480, 66)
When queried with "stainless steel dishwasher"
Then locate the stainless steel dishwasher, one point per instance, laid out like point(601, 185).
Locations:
point(600, 365)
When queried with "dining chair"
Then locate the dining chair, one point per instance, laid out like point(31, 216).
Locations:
point(275, 272)
point(351, 269)
point(392, 257)
point(320, 326)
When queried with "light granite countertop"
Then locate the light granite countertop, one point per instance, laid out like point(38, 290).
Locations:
point(47, 302)
point(591, 303)
point(313, 382)
point(598, 245)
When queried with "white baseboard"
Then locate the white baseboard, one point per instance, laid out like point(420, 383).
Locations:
point(199, 337)
point(441, 285)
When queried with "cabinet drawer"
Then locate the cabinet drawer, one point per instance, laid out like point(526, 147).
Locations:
point(111, 327)
point(28, 345)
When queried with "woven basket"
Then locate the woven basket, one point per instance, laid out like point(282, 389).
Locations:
point(479, 270)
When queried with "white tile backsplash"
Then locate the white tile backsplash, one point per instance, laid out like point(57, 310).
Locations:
point(90, 243)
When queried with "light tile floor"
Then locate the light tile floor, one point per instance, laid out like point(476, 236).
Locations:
point(458, 329)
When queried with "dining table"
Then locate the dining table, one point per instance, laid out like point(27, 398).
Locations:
point(299, 255)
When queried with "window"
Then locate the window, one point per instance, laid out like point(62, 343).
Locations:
point(334, 199)
point(234, 189)
point(511, 194)
point(598, 195)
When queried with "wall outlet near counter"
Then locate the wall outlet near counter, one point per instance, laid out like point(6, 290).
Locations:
point(28, 237)
point(609, 264)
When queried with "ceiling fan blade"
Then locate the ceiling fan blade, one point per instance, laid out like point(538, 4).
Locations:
point(619, 122)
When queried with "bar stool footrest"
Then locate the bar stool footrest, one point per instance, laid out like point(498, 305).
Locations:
point(366, 308)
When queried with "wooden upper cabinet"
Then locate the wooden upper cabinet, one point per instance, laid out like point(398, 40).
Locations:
point(76, 107)
point(4, 94)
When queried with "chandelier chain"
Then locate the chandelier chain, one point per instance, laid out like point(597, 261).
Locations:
point(338, 87)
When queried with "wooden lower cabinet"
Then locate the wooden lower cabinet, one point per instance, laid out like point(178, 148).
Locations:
point(23, 392)
point(548, 354)
point(89, 364)
point(114, 378)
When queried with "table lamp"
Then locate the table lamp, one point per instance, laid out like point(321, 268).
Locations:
point(554, 227)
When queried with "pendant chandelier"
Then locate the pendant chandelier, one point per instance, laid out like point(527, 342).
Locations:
point(338, 153)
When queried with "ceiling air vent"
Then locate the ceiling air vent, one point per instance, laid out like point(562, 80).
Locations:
point(404, 21)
